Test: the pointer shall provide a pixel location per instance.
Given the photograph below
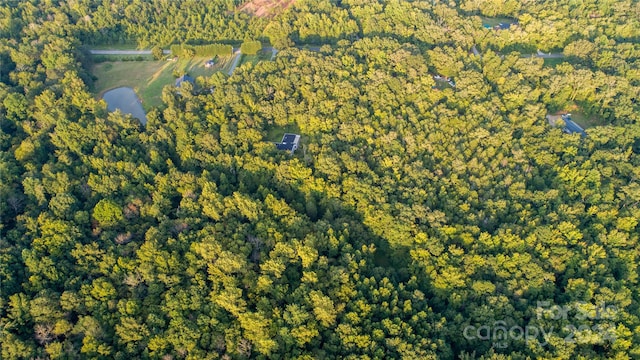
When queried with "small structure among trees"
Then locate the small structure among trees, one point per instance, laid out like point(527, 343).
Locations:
point(184, 78)
point(571, 127)
point(568, 126)
point(289, 142)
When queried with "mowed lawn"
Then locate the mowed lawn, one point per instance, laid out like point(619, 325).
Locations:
point(586, 121)
point(582, 119)
point(275, 132)
point(148, 78)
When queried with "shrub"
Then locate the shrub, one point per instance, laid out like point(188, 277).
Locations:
point(156, 52)
point(251, 47)
point(201, 50)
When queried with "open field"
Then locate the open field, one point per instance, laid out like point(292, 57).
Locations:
point(585, 121)
point(442, 84)
point(195, 67)
point(148, 78)
point(263, 8)
point(138, 75)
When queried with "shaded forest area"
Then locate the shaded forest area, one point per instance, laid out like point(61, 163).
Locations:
point(410, 214)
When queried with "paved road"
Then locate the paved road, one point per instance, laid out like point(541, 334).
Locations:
point(124, 52)
point(237, 54)
point(539, 54)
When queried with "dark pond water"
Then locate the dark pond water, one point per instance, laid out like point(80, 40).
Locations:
point(126, 100)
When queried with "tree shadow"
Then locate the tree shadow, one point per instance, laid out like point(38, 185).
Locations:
point(314, 207)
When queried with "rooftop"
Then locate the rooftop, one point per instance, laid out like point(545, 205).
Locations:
point(571, 127)
point(289, 142)
point(290, 138)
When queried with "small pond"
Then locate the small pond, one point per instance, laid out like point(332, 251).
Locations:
point(125, 100)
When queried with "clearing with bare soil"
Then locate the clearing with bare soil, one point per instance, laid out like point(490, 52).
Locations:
point(264, 8)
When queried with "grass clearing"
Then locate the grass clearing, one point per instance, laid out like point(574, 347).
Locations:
point(579, 117)
point(148, 78)
point(585, 121)
point(496, 21)
point(442, 84)
point(134, 74)
point(274, 133)
point(553, 62)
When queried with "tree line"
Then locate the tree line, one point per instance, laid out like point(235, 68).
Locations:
point(190, 51)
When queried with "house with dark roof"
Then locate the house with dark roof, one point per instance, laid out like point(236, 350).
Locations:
point(570, 127)
point(289, 142)
point(184, 78)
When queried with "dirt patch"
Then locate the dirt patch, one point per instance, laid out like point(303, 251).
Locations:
point(265, 8)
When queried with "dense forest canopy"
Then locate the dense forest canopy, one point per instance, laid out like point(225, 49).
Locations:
point(417, 220)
